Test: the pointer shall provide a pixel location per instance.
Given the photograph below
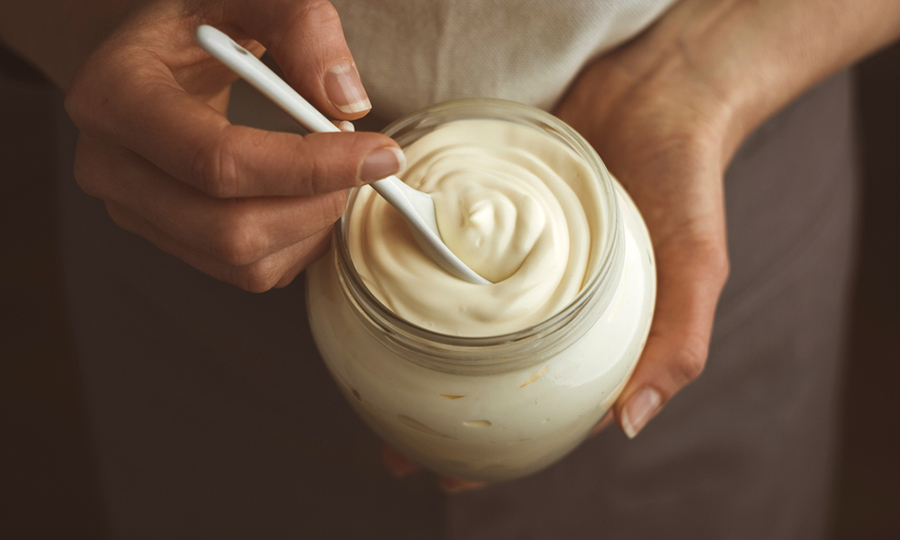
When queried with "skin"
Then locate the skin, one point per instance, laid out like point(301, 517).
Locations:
point(666, 111)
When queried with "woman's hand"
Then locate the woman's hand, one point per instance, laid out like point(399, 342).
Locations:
point(246, 206)
point(666, 112)
point(667, 148)
point(667, 152)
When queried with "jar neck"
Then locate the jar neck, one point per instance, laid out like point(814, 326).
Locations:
point(508, 352)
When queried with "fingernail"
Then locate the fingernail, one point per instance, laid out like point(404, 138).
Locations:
point(344, 88)
point(382, 163)
point(346, 127)
point(641, 407)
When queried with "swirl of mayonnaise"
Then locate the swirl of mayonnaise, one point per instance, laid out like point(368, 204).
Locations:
point(513, 203)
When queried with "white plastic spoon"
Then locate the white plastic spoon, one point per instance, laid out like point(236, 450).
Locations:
point(416, 207)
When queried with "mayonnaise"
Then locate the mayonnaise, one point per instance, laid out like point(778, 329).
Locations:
point(511, 203)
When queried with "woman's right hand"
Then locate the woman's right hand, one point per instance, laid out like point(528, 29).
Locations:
point(246, 206)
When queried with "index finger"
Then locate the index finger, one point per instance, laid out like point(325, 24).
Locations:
point(128, 94)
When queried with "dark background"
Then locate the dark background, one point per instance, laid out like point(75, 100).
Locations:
point(48, 487)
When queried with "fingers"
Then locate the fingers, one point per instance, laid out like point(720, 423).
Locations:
point(255, 244)
point(308, 43)
point(396, 463)
point(400, 466)
point(247, 206)
point(194, 143)
point(691, 277)
point(236, 231)
point(275, 270)
point(132, 91)
point(456, 485)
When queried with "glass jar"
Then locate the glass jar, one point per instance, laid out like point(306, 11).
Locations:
point(501, 407)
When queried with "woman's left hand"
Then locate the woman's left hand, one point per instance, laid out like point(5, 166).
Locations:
point(665, 112)
point(666, 148)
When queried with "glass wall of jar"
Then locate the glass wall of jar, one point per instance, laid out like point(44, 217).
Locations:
point(500, 407)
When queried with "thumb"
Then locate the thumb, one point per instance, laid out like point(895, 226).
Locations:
point(690, 278)
point(306, 39)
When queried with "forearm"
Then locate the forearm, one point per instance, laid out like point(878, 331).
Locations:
point(738, 62)
point(761, 55)
point(667, 110)
point(57, 35)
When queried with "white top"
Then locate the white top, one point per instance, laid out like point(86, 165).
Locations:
point(413, 53)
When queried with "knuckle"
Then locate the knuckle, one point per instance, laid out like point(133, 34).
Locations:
point(332, 207)
point(316, 166)
point(93, 89)
point(710, 257)
point(73, 103)
point(284, 282)
point(720, 266)
point(691, 360)
point(311, 13)
point(319, 12)
point(325, 164)
point(315, 174)
point(84, 174)
point(258, 277)
point(78, 96)
point(215, 168)
point(117, 216)
point(123, 219)
point(239, 241)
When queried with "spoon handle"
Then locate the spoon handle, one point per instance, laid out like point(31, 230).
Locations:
point(252, 70)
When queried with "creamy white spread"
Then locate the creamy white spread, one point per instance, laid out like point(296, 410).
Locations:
point(513, 203)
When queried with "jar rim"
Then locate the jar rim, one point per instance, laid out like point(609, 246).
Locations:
point(452, 353)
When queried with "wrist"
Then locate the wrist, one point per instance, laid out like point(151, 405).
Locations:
point(672, 82)
point(759, 56)
point(719, 60)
